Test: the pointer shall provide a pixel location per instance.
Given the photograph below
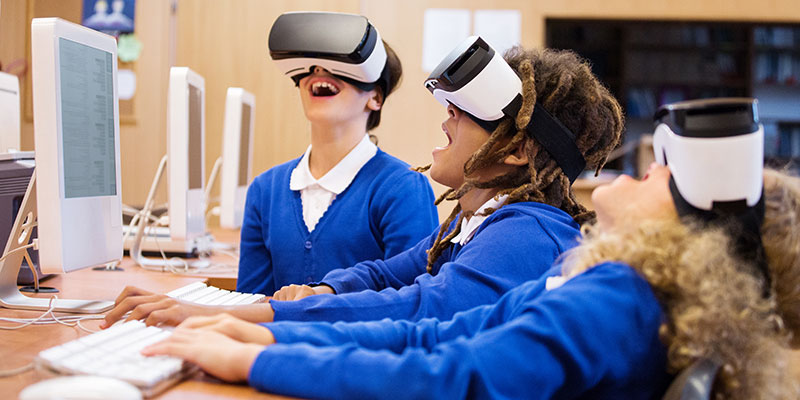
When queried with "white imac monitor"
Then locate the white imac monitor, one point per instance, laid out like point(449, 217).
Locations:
point(76, 137)
point(186, 152)
point(9, 113)
point(75, 189)
point(237, 155)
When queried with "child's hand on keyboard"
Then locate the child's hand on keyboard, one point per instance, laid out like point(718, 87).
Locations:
point(297, 292)
point(154, 309)
point(215, 353)
point(231, 327)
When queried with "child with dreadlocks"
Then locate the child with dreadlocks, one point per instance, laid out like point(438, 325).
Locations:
point(515, 215)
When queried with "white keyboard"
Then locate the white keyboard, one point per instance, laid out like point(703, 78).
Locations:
point(114, 352)
point(201, 293)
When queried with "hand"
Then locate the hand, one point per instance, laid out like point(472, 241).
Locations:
point(297, 292)
point(214, 352)
point(231, 327)
point(154, 308)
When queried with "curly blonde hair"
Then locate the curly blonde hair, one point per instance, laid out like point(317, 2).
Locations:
point(713, 302)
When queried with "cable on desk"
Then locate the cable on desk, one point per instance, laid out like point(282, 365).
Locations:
point(16, 371)
point(72, 320)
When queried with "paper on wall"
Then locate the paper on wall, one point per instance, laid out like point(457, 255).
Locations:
point(126, 84)
point(444, 29)
point(500, 28)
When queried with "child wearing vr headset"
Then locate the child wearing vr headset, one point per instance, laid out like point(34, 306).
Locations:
point(677, 270)
point(509, 164)
point(338, 204)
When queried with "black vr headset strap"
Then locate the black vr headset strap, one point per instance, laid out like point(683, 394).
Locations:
point(556, 138)
point(742, 222)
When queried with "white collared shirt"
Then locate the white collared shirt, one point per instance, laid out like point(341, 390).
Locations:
point(318, 194)
point(468, 226)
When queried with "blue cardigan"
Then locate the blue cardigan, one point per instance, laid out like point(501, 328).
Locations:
point(595, 337)
point(516, 243)
point(386, 209)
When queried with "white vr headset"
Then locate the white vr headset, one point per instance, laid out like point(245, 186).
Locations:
point(715, 152)
point(477, 80)
point(714, 149)
point(346, 45)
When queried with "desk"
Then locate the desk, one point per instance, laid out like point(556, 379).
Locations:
point(19, 347)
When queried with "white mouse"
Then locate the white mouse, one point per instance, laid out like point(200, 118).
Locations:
point(81, 387)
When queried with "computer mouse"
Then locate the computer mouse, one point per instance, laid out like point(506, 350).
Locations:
point(81, 387)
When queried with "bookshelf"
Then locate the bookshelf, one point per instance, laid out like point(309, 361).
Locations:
point(649, 63)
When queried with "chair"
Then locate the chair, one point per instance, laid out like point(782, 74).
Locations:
point(694, 382)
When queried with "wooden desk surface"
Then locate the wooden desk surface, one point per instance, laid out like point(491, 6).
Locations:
point(19, 347)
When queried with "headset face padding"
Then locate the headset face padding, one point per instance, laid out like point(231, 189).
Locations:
point(714, 149)
point(346, 45)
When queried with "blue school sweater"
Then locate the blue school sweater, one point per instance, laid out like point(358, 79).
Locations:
point(386, 209)
point(595, 337)
point(515, 244)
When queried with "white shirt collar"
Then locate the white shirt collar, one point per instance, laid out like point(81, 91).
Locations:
point(468, 227)
point(339, 177)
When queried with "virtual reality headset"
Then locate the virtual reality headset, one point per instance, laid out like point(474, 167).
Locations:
point(346, 45)
point(714, 149)
point(477, 80)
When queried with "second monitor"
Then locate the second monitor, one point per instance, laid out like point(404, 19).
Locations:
point(186, 150)
point(237, 155)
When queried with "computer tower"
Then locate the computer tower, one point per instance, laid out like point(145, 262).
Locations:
point(15, 174)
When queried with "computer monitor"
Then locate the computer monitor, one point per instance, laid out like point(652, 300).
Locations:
point(237, 155)
point(76, 184)
point(186, 151)
point(9, 113)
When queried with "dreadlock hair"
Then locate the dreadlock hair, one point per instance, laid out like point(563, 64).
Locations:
point(564, 85)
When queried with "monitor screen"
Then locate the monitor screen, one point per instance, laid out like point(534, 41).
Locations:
point(87, 120)
point(195, 137)
point(244, 144)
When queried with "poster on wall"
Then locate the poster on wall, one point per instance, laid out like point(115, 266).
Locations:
point(113, 17)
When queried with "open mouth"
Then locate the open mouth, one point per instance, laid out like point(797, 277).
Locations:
point(323, 89)
point(449, 139)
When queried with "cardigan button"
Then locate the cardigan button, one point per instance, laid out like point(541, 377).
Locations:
point(308, 244)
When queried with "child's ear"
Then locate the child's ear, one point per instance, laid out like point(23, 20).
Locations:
point(518, 158)
point(376, 101)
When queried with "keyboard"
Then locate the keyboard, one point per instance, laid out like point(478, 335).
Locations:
point(201, 293)
point(114, 352)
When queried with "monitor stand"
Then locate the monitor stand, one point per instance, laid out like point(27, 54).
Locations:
point(10, 296)
point(139, 224)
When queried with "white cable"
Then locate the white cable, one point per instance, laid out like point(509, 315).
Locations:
point(27, 246)
point(51, 306)
point(17, 371)
point(85, 329)
point(71, 320)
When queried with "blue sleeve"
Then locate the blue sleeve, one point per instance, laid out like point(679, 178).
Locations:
point(255, 262)
point(598, 330)
point(406, 213)
point(397, 335)
point(395, 272)
point(510, 250)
